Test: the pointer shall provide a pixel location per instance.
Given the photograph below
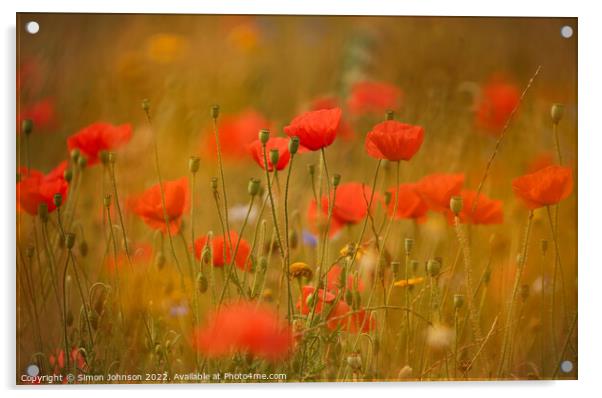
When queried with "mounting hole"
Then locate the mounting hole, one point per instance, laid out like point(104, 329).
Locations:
point(32, 27)
point(566, 31)
point(566, 366)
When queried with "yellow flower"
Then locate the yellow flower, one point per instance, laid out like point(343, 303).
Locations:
point(300, 270)
point(409, 282)
point(349, 249)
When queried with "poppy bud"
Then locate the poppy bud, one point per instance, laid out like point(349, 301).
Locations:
point(69, 240)
point(388, 196)
point(193, 164)
point(202, 283)
point(556, 113)
point(146, 105)
point(68, 175)
point(524, 292)
point(43, 212)
point(455, 204)
point(310, 300)
point(336, 180)
point(349, 297)
point(274, 157)
point(74, 155)
point(83, 248)
point(57, 199)
point(104, 157)
point(159, 260)
point(458, 301)
point(264, 136)
point(408, 245)
point(26, 126)
point(433, 267)
point(82, 162)
point(253, 187)
point(214, 184)
point(107, 200)
point(293, 145)
point(357, 299)
point(311, 168)
point(215, 112)
point(544, 246)
point(389, 115)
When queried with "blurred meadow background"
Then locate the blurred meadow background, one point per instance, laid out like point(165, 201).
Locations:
point(262, 71)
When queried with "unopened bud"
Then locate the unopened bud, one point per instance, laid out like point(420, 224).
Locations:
point(293, 145)
point(336, 180)
point(26, 126)
point(349, 297)
point(556, 113)
point(57, 199)
point(253, 187)
point(264, 136)
point(215, 111)
point(193, 164)
point(455, 204)
point(69, 240)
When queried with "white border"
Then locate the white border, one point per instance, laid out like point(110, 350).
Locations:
point(590, 200)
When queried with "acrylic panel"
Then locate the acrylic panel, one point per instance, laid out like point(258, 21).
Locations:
point(272, 198)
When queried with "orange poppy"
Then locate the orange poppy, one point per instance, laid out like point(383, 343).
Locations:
point(315, 129)
point(409, 203)
point(222, 254)
point(498, 99)
point(394, 141)
point(488, 211)
point(437, 189)
point(35, 188)
point(149, 205)
point(545, 187)
point(244, 327)
point(278, 143)
point(373, 98)
point(97, 137)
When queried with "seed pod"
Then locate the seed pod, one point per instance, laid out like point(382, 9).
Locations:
point(556, 113)
point(215, 112)
point(264, 136)
point(74, 154)
point(293, 145)
point(193, 164)
point(458, 301)
point(357, 299)
point(389, 115)
point(336, 180)
point(145, 105)
point(202, 283)
point(433, 267)
point(414, 264)
point(69, 240)
point(396, 267)
point(57, 199)
point(455, 204)
point(408, 244)
point(274, 157)
point(68, 175)
point(253, 187)
point(107, 200)
point(26, 126)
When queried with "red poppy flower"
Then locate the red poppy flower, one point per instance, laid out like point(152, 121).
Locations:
point(498, 100)
point(345, 131)
point(236, 132)
point(149, 205)
point(409, 203)
point(315, 129)
point(279, 143)
point(312, 217)
point(41, 113)
point(323, 297)
point(373, 98)
point(344, 317)
point(57, 360)
point(488, 211)
point(437, 189)
point(140, 254)
point(350, 206)
point(220, 249)
point(97, 137)
point(244, 327)
point(333, 280)
point(35, 188)
point(394, 141)
point(545, 187)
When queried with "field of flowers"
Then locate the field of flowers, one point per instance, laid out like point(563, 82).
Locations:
point(275, 198)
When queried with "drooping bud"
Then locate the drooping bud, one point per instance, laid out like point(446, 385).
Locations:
point(408, 244)
point(57, 199)
point(264, 136)
point(274, 157)
point(43, 212)
point(193, 164)
point(253, 186)
point(455, 204)
point(214, 112)
point(69, 240)
point(433, 267)
point(458, 301)
point(293, 145)
point(26, 126)
point(556, 113)
point(336, 180)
